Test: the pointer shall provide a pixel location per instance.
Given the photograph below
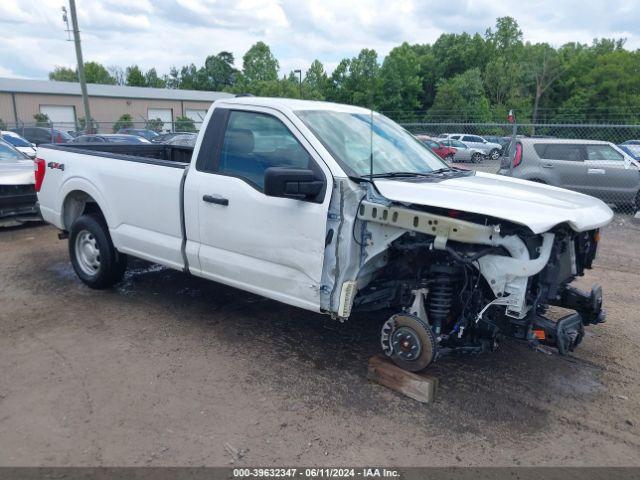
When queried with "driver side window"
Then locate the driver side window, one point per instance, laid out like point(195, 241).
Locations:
point(254, 142)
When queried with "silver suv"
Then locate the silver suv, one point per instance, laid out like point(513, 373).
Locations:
point(490, 149)
point(596, 168)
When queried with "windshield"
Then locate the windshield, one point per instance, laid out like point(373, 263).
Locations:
point(9, 154)
point(15, 140)
point(350, 138)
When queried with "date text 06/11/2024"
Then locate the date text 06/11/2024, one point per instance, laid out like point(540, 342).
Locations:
point(325, 472)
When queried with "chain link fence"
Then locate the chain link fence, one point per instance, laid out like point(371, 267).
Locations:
point(58, 132)
point(601, 160)
point(596, 159)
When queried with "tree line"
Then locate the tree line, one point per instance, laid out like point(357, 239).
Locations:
point(460, 77)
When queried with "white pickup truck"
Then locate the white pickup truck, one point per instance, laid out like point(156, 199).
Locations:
point(334, 208)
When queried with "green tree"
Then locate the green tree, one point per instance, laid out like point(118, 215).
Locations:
point(356, 81)
point(507, 38)
point(185, 124)
point(259, 64)
point(42, 119)
point(218, 72)
point(545, 67)
point(63, 74)
point(461, 96)
point(155, 124)
point(315, 83)
point(400, 82)
point(134, 77)
point(151, 79)
point(172, 79)
point(97, 73)
point(125, 121)
point(82, 124)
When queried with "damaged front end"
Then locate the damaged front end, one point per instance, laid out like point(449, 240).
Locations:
point(458, 280)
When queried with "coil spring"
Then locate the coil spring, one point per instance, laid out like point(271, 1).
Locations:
point(440, 299)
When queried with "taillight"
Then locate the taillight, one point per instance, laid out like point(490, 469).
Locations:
point(39, 168)
point(517, 158)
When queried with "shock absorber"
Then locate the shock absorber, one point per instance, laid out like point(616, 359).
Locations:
point(440, 296)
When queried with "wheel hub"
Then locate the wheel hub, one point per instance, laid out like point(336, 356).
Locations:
point(87, 252)
point(406, 343)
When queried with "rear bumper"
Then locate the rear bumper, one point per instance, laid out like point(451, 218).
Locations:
point(18, 201)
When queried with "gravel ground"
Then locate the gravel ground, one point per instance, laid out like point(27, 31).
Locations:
point(168, 369)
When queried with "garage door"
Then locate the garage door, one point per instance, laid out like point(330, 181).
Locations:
point(196, 115)
point(164, 114)
point(62, 116)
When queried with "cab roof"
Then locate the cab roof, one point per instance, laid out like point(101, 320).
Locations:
point(292, 104)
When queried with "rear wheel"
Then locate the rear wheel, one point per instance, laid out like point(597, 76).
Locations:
point(476, 157)
point(94, 258)
point(409, 342)
point(494, 154)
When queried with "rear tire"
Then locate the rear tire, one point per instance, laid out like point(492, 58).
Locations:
point(494, 154)
point(476, 158)
point(94, 258)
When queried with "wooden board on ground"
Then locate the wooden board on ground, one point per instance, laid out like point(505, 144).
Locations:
point(418, 386)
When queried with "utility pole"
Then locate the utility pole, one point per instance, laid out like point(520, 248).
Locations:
point(83, 84)
point(299, 72)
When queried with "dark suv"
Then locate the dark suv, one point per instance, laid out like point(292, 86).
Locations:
point(39, 135)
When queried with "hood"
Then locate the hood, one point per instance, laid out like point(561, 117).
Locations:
point(537, 206)
point(16, 173)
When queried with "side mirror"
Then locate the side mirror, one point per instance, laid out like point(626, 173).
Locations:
point(292, 183)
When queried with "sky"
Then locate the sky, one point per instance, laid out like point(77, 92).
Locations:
point(165, 33)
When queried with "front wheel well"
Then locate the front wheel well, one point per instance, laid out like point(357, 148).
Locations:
point(78, 203)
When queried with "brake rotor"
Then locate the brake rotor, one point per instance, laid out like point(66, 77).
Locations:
point(408, 341)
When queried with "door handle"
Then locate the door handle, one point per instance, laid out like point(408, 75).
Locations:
point(215, 199)
point(596, 171)
point(547, 165)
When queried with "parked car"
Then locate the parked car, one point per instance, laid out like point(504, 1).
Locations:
point(439, 148)
point(631, 142)
point(40, 135)
point(165, 137)
point(140, 132)
point(109, 138)
point(19, 143)
point(489, 149)
point(184, 139)
point(464, 153)
point(592, 167)
point(631, 149)
point(287, 199)
point(17, 191)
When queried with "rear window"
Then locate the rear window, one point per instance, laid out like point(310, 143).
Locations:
point(559, 151)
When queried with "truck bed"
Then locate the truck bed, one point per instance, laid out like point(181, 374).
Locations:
point(159, 154)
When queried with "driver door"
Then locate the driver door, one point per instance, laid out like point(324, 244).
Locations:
point(267, 245)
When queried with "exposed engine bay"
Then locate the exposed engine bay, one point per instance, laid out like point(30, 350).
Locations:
point(459, 281)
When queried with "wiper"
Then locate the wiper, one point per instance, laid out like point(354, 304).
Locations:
point(398, 174)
